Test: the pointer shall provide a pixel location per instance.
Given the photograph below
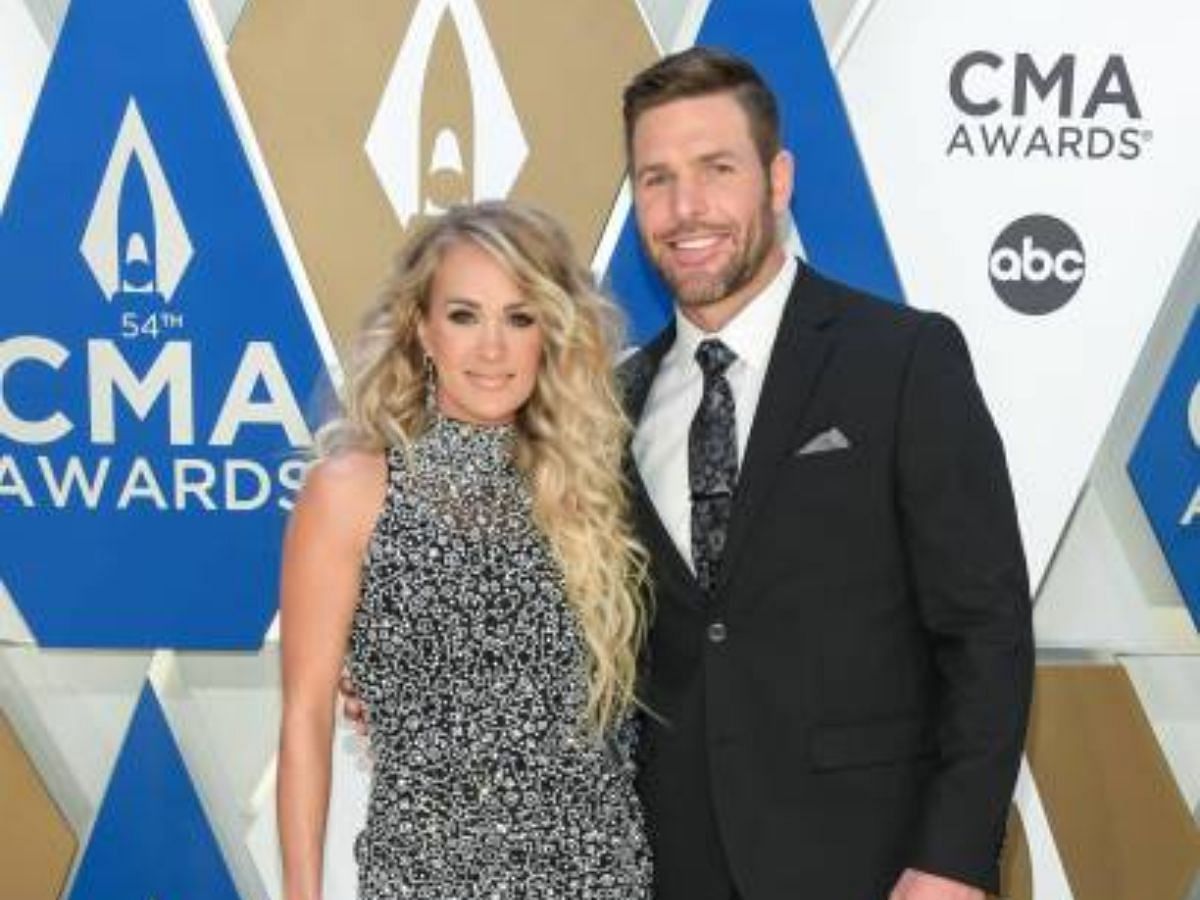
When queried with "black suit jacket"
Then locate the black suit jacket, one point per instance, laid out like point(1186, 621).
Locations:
point(853, 698)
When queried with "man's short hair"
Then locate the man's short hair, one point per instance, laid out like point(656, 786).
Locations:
point(698, 72)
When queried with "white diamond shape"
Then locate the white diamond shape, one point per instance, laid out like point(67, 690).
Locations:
point(100, 244)
point(394, 141)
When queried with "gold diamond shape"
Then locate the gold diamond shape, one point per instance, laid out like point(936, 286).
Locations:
point(1119, 821)
point(36, 843)
point(313, 75)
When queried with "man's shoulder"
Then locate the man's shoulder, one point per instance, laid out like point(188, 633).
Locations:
point(633, 376)
point(636, 369)
point(634, 362)
point(864, 314)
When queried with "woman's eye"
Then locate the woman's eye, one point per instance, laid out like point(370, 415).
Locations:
point(461, 316)
point(522, 320)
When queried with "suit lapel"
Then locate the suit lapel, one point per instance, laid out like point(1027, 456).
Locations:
point(636, 375)
point(802, 348)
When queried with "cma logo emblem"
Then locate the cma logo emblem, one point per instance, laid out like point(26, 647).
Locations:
point(135, 242)
point(446, 130)
point(1091, 112)
point(1037, 264)
point(979, 93)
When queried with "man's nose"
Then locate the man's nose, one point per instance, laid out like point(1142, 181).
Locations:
point(690, 199)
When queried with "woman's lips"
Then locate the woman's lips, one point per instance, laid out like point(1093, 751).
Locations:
point(489, 382)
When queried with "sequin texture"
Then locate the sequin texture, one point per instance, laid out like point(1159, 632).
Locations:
point(474, 671)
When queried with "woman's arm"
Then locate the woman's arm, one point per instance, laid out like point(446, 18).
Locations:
point(322, 556)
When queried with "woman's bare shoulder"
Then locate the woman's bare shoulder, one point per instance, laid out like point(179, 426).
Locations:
point(344, 492)
point(349, 471)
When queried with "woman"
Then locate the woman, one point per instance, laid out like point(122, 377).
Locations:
point(464, 535)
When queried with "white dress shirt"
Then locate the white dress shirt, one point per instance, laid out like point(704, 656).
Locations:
point(660, 442)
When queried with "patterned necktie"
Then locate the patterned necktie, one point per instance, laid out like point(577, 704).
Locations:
point(712, 462)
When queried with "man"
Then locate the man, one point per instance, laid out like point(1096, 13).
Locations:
point(839, 670)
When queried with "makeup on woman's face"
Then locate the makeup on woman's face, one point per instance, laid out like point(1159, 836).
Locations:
point(483, 336)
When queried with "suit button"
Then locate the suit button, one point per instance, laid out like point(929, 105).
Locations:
point(717, 632)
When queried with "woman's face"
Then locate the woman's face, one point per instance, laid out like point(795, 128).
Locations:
point(483, 336)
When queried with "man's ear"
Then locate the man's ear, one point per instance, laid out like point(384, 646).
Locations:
point(782, 173)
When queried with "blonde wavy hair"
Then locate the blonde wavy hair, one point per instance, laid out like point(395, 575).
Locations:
point(571, 434)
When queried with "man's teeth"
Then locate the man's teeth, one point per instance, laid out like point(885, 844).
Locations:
point(696, 243)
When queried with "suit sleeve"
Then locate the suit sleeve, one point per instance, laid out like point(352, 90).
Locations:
point(971, 585)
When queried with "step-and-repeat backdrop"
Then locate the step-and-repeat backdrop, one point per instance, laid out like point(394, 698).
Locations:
point(199, 199)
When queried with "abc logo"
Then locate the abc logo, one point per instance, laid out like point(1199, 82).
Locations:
point(1037, 264)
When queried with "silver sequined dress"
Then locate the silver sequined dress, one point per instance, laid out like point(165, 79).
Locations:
point(473, 669)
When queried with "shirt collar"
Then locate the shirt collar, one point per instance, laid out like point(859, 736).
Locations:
point(751, 333)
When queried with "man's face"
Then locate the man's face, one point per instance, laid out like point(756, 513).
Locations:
point(706, 205)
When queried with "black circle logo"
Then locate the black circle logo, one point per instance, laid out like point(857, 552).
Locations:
point(1037, 264)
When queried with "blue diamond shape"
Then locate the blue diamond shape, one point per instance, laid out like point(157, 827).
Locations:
point(157, 358)
point(151, 837)
point(1165, 468)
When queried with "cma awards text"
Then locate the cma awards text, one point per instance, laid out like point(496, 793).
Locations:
point(148, 472)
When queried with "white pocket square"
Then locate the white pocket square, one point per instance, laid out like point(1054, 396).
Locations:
point(825, 442)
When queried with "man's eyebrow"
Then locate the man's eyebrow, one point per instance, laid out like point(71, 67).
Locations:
point(649, 167)
point(722, 155)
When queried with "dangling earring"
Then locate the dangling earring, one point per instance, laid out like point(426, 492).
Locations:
point(429, 373)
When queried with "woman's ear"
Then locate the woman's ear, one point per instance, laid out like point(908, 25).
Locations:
point(421, 335)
